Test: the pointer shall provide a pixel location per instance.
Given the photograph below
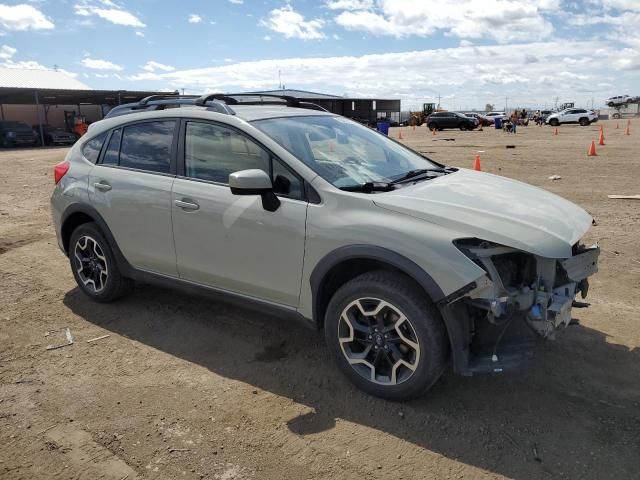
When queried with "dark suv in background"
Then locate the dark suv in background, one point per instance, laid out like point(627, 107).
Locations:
point(16, 134)
point(441, 120)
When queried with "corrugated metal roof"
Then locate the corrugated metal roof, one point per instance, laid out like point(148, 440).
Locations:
point(300, 94)
point(32, 78)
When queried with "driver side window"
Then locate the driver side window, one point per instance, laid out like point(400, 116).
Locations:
point(213, 152)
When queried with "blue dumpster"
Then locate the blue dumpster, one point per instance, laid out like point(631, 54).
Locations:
point(498, 123)
point(383, 127)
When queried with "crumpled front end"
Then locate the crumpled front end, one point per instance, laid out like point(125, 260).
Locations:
point(521, 298)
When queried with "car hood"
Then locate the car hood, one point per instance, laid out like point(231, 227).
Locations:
point(480, 205)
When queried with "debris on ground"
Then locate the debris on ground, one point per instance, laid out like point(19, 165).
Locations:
point(67, 334)
point(555, 177)
point(625, 197)
point(98, 338)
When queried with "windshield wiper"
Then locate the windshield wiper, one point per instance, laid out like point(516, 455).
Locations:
point(369, 187)
point(413, 174)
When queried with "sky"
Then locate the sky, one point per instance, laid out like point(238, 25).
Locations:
point(469, 53)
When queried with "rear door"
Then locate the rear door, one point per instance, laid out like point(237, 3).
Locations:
point(228, 241)
point(130, 186)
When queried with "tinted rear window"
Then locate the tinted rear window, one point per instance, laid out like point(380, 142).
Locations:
point(91, 149)
point(147, 146)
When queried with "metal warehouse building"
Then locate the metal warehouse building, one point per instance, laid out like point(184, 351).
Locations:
point(43, 96)
point(365, 110)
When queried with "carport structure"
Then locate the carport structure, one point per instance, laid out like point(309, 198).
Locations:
point(32, 96)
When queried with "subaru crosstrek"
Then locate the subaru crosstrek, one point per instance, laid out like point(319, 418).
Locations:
point(408, 265)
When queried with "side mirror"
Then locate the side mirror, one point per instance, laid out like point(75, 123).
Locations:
point(255, 182)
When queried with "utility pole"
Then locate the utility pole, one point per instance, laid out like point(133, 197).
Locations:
point(438, 101)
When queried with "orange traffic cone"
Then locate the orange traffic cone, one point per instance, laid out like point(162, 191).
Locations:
point(628, 132)
point(617, 126)
point(434, 132)
point(592, 149)
point(476, 164)
point(601, 137)
point(400, 135)
point(556, 132)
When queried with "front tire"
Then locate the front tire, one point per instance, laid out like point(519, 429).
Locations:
point(94, 266)
point(386, 336)
point(584, 122)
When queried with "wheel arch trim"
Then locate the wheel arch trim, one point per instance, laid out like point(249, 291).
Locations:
point(369, 252)
point(123, 265)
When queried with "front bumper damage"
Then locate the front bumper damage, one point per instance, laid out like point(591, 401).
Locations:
point(495, 323)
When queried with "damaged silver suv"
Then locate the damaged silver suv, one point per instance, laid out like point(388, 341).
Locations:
point(406, 264)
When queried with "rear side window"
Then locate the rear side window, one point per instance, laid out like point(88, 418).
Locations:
point(147, 146)
point(112, 154)
point(91, 149)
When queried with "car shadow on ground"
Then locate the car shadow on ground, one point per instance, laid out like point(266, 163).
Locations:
point(574, 413)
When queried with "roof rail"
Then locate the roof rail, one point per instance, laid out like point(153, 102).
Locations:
point(230, 99)
point(168, 96)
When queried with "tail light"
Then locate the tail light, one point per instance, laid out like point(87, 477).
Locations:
point(60, 171)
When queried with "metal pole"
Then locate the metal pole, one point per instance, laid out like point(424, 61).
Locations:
point(2, 110)
point(39, 118)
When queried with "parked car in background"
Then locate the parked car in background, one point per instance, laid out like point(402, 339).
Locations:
point(16, 134)
point(442, 120)
point(494, 115)
point(407, 264)
point(618, 100)
point(482, 119)
point(544, 114)
point(572, 115)
point(55, 135)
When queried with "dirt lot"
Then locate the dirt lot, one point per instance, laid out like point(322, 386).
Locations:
point(189, 388)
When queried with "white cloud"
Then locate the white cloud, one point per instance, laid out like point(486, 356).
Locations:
point(7, 52)
point(193, 18)
point(139, 34)
point(292, 24)
point(97, 64)
point(349, 4)
point(108, 11)
point(152, 66)
point(501, 20)
point(23, 17)
point(468, 76)
point(236, 2)
point(266, 37)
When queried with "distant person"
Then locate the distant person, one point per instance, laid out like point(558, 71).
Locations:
point(514, 121)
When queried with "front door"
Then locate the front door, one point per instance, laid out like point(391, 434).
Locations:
point(131, 189)
point(231, 242)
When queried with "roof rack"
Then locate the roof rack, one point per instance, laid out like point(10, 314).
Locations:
point(230, 99)
point(169, 96)
point(217, 102)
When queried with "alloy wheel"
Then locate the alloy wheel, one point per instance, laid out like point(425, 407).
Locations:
point(378, 341)
point(91, 263)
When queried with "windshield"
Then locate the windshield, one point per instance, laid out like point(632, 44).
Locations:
point(341, 151)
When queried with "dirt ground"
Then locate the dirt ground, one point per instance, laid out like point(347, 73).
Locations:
point(189, 388)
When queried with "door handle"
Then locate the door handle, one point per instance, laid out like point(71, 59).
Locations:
point(103, 187)
point(186, 205)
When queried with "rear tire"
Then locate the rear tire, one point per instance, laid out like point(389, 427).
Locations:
point(584, 122)
point(554, 122)
point(94, 265)
point(432, 126)
point(386, 336)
